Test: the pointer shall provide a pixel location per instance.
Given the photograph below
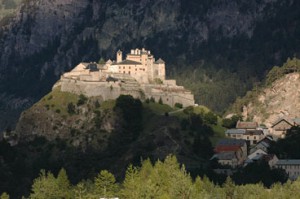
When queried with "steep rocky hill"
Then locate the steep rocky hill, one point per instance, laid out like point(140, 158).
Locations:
point(46, 38)
point(276, 97)
point(279, 100)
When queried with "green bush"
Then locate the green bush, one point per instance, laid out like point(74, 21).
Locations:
point(178, 105)
point(71, 108)
point(160, 101)
point(82, 100)
point(97, 104)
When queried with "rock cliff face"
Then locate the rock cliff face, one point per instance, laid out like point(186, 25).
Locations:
point(46, 38)
point(280, 100)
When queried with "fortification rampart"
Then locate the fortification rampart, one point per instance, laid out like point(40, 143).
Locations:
point(139, 75)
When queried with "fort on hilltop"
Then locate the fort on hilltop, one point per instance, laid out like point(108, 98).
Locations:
point(139, 75)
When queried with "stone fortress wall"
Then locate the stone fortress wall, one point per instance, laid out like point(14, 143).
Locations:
point(138, 75)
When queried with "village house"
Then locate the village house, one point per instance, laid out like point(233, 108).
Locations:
point(260, 155)
point(246, 125)
point(251, 136)
point(228, 158)
point(263, 144)
point(255, 156)
point(280, 126)
point(232, 152)
point(291, 167)
point(235, 133)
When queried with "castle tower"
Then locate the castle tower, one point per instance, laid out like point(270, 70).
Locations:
point(119, 56)
point(160, 69)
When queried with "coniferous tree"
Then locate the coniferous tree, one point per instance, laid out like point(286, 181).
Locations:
point(4, 196)
point(105, 184)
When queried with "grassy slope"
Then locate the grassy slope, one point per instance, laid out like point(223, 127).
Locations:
point(152, 114)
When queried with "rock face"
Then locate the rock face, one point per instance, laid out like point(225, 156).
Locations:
point(280, 100)
point(46, 38)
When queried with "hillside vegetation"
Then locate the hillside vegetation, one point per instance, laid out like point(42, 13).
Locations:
point(75, 132)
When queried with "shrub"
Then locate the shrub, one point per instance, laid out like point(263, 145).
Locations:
point(71, 108)
point(160, 101)
point(178, 105)
point(211, 118)
point(97, 104)
point(152, 100)
point(188, 110)
point(82, 99)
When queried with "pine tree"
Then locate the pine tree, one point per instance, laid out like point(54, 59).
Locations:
point(131, 183)
point(4, 196)
point(44, 186)
point(63, 184)
point(105, 184)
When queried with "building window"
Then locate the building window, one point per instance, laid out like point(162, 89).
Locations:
point(129, 67)
point(128, 72)
point(254, 137)
point(123, 67)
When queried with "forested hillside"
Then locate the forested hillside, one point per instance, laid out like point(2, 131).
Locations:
point(210, 41)
point(86, 134)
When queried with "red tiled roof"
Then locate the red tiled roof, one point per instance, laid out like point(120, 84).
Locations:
point(246, 125)
point(219, 149)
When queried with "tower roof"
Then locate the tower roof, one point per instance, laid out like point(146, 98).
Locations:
point(159, 61)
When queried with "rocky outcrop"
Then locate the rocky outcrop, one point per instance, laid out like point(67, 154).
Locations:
point(280, 100)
